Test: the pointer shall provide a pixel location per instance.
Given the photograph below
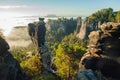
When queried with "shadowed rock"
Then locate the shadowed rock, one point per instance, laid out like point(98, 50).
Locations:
point(79, 23)
point(86, 75)
point(41, 31)
point(103, 51)
point(37, 33)
point(9, 67)
point(108, 67)
point(31, 29)
point(3, 45)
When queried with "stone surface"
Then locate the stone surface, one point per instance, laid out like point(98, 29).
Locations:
point(86, 75)
point(37, 33)
point(79, 23)
point(103, 52)
point(86, 26)
point(46, 59)
point(3, 46)
point(9, 67)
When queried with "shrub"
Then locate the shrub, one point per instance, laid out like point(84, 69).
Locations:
point(32, 66)
point(67, 60)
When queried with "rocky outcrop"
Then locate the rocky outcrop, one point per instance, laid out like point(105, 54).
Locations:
point(46, 60)
point(9, 67)
point(106, 41)
point(86, 26)
point(63, 25)
point(79, 23)
point(103, 52)
point(54, 25)
point(86, 75)
point(84, 31)
point(37, 34)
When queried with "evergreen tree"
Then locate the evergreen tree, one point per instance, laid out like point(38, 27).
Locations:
point(104, 15)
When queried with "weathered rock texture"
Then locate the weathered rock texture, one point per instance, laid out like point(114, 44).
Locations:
point(85, 27)
point(103, 52)
point(79, 23)
point(9, 67)
point(62, 25)
point(37, 33)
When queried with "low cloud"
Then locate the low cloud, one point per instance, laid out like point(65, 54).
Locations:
point(12, 7)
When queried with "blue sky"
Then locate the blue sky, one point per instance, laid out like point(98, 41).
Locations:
point(58, 7)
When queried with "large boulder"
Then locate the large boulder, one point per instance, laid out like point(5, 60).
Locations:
point(87, 75)
point(103, 52)
point(106, 41)
point(9, 67)
point(3, 46)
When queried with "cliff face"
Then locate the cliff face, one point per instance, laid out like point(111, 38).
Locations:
point(63, 25)
point(9, 67)
point(54, 25)
point(79, 23)
point(103, 52)
point(85, 27)
point(106, 41)
point(84, 31)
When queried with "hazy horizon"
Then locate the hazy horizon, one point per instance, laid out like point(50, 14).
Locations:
point(58, 7)
point(10, 9)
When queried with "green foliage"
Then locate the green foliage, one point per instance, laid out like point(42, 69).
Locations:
point(72, 39)
point(68, 56)
point(58, 29)
point(104, 15)
point(64, 45)
point(32, 66)
point(118, 16)
point(67, 60)
point(20, 53)
point(48, 77)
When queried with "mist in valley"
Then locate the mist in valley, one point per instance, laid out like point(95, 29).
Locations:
point(18, 37)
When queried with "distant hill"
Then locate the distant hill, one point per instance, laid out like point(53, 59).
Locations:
point(51, 15)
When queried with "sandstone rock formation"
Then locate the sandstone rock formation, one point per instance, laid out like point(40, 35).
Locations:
point(79, 23)
point(41, 31)
point(46, 59)
point(9, 67)
point(103, 52)
point(86, 26)
point(37, 33)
